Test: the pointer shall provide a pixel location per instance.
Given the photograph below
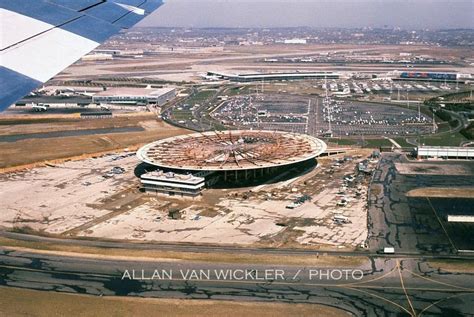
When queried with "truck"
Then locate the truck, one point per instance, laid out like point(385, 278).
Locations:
point(387, 250)
point(341, 219)
point(40, 107)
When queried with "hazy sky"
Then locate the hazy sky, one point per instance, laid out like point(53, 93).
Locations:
point(316, 13)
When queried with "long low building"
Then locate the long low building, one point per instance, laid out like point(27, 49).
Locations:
point(445, 152)
point(460, 218)
point(274, 76)
point(144, 96)
point(433, 76)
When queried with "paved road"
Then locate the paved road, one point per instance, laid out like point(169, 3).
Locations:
point(384, 287)
point(209, 248)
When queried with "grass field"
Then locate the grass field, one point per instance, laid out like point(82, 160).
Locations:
point(376, 143)
point(21, 302)
point(200, 97)
point(453, 139)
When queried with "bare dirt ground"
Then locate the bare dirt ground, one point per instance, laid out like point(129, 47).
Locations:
point(57, 199)
point(20, 302)
point(457, 266)
point(442, 192)
point(39, 150)
point(253, 215)
point(74, 199)
point(25, 124)
point(426, 168)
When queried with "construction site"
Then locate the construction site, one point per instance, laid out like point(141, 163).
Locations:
point(233, 156)
point(323, 207)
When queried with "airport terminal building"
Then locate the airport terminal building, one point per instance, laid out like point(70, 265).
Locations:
point(445, 152)
point(135, 96)
point(275, 76)
point(234, 156)
point(184, 185)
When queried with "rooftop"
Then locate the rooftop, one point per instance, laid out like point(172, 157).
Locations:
point(173, 177)
point(127, 91)
point(231, 150)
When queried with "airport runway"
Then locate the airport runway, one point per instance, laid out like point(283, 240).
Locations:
point(395, 286)
point(412, 225)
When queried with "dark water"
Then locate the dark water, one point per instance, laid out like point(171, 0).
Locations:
point(59, 134)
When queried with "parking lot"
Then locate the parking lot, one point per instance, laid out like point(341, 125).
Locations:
point(311, 115)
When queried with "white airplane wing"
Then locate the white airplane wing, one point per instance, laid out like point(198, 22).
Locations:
point(40, 38)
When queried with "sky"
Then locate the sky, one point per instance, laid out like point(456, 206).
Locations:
point(407, 14)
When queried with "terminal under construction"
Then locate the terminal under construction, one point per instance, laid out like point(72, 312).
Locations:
point(234, 156)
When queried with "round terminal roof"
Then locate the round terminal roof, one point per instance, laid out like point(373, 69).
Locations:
point(231, 150)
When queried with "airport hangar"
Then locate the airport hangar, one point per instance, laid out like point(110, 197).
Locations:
point(184, 164)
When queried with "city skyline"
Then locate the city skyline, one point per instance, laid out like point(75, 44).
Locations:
point(406, 14)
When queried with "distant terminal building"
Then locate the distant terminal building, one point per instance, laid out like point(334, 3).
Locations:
point(274, 76)
point(233, 156)
point(444, 152)
point(173, 184)
point(106, 51)
point(97, 57)
point(135, 96)
point(431, 76)
point(118, 53)
point(460, 217)
point(295, 41)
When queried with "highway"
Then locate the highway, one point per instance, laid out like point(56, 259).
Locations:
point(384, 287)
point(211, 248)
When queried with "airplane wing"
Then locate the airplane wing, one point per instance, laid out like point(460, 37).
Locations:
point(40, 38)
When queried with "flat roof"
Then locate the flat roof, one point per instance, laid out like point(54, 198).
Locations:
point(173, 177)
point(231, 150)
point(274, 75)
point(445, 151)
point(428, 147)
point(135, 92)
